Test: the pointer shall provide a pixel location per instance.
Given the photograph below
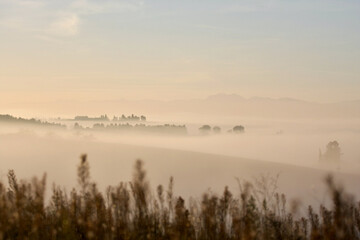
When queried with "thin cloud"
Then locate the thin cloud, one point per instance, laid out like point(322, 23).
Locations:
point(57, 18)
point(67, 25)
point(86, 7)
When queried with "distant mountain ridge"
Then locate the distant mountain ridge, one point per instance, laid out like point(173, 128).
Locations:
point(223, 96)
point(233, 104)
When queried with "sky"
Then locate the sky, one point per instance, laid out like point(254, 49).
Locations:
point(162, 49)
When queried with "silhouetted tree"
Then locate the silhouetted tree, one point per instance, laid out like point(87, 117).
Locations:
point(238, 129)
point(205, 129)
point(332, 153)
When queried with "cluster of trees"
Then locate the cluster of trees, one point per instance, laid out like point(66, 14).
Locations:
point(130, 210)
point(87, 118)
point(131, 117)
point(11, 119)
point(332, 154)
point(105, 117)
point(163, 129)
point(206, 129)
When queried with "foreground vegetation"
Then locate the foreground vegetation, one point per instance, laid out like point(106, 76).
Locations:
point(132, 211)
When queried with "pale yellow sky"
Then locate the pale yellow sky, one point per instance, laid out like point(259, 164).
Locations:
point(115, 49)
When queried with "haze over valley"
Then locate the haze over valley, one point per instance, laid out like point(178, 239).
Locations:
point(191, 120)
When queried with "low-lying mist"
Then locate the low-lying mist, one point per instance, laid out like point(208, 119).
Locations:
point(198, 161)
